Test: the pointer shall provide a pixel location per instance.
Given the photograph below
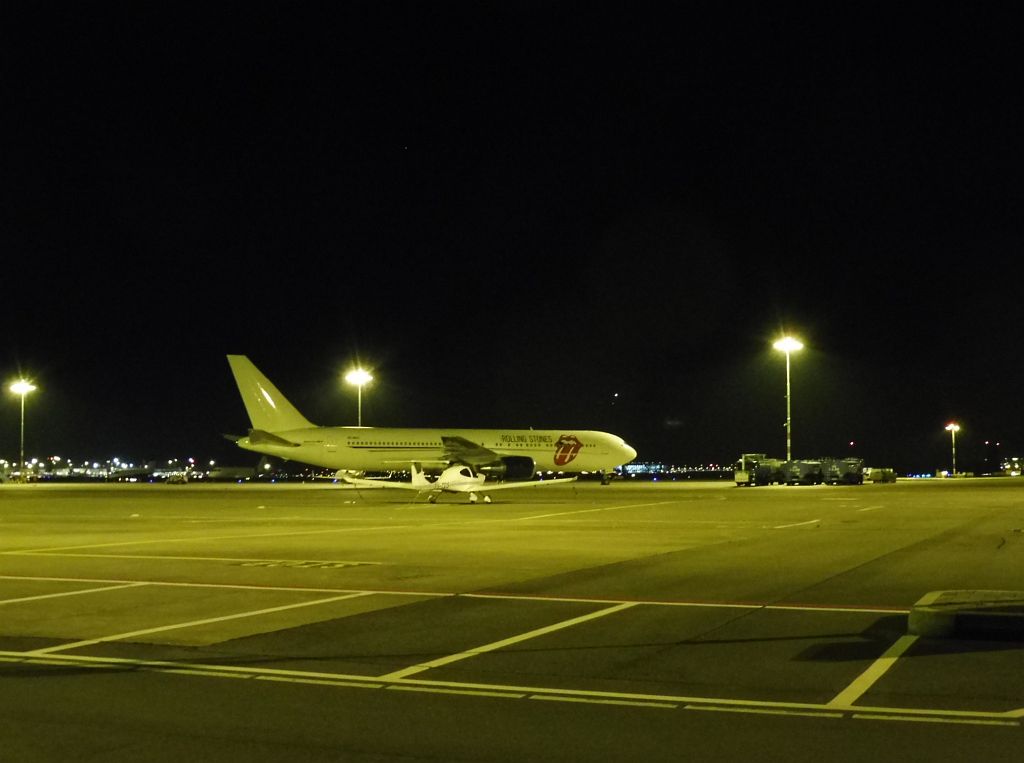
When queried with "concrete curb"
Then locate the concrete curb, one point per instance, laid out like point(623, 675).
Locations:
point(985, 614)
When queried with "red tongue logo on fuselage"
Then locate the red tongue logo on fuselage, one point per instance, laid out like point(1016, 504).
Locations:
point(566, 449)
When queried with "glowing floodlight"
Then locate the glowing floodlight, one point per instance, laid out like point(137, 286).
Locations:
point(787, 345)
point(22, 387)
point(359, 377)
point(953, 428)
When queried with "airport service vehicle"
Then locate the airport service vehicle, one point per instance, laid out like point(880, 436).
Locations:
point(879, 474)
point(757, 469)
point(843, 471)
point(278, 429)
point(802, 472)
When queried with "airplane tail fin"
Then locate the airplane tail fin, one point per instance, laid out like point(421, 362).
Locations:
point(419, 479)
point(268, 409)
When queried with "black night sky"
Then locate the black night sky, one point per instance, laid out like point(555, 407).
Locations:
point(513, 212)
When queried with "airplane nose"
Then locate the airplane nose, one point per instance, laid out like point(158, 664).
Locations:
point(628, 453)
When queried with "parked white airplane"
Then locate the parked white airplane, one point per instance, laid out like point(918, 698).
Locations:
point(455, 479)
point(278, 429)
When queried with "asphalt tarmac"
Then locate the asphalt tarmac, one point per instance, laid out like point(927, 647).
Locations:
point(636, 621)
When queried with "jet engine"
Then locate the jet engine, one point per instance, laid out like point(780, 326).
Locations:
point(509, 468)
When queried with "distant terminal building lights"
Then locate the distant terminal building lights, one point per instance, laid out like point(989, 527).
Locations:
point(656, 470)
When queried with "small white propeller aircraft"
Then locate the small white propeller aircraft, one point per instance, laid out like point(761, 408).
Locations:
point(458, 478)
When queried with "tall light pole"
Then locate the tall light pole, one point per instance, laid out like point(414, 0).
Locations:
point(22, 387)
point(359, 377)
point(953, 428)
point(787, 345)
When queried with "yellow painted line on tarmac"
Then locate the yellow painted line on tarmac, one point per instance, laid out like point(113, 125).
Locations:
point(448, 659)
point(72, 593)
point(877, 669)
point(871, 508)
point(193, 623)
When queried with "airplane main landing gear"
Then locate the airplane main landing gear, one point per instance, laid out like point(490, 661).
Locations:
point(472, 497)
point(487, 499)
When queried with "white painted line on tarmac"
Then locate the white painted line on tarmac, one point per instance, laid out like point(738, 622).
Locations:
point(251, 560)
point(833, 608)
point(509, 691)
point(924, 719)
point(878, 668)
point(315, 681)
point(796, 524)
point(586, 600)
point(448, 659)
point(695, 604)
point(511, 596)
point(585, 700)
point(588, 511)
point(206, 621)
point(764, 711)
point(209, 539)
point(213, 673)
point(234, 586)
point(72, 593)
point(871, 508)
point(469, 692)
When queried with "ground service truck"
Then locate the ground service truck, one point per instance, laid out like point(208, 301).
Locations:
point(758, 469)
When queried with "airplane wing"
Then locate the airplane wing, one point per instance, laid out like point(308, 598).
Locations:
point(488, 487)
point(461, 450)
point(381, 483)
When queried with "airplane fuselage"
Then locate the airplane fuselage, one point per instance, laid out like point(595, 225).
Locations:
point(373, 448)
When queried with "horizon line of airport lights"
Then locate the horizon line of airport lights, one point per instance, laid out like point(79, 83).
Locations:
point(22, 387)
point(359, 377)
